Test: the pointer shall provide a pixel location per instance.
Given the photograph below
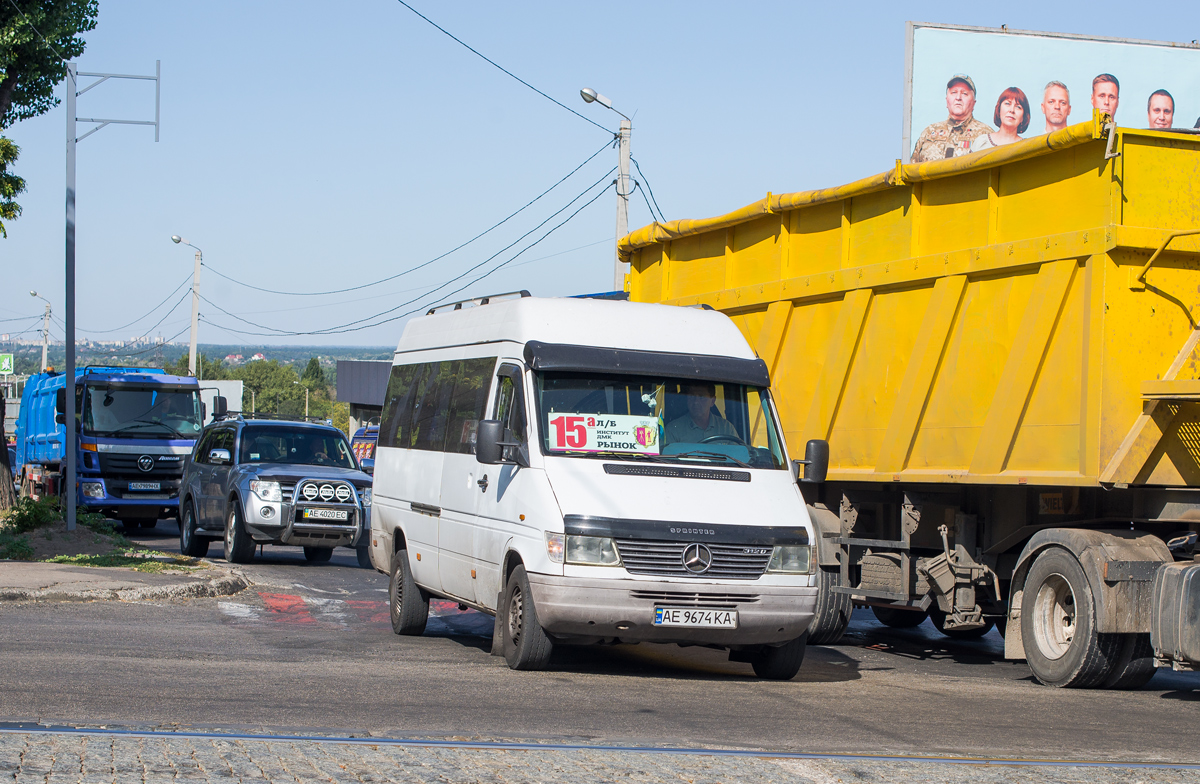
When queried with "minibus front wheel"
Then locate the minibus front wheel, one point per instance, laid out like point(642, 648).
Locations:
point(780, 663)
point(526, 646)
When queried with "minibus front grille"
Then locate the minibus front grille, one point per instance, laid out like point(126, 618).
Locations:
point(676, 472)
point(665, 559)
point(723, 601)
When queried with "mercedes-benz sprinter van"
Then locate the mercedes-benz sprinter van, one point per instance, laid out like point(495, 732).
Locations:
point(592, 471)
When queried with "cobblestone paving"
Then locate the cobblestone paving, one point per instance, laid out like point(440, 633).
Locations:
point(42, 757)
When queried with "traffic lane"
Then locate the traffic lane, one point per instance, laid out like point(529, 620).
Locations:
point(197, 663)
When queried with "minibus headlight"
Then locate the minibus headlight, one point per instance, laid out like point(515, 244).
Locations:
point(791, 559)
point(592, 551)
point(266, 491)
point(92, 489)
point(554, 547)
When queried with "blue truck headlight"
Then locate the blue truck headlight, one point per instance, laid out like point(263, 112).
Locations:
point(791, 559)
point(92, 489)
point(266, 491)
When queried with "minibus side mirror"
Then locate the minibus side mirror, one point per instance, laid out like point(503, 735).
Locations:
point(815, 465)
point(488, 435)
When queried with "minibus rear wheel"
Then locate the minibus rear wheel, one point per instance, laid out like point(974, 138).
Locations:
point(409, 604)
point(526, 646)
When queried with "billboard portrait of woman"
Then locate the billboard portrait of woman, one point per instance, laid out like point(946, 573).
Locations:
point(1012, 118)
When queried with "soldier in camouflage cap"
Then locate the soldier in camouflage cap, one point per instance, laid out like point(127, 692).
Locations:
point(953, 136)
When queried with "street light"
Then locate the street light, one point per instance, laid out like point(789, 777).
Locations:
point(591, 96)
point(45, 328)
point(195, 302)
point(305, 400)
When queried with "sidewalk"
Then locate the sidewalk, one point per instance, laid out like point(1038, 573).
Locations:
point(39, 581)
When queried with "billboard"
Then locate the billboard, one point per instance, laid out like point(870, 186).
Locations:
point(970, 88)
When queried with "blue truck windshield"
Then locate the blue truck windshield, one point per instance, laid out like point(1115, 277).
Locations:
point(141, 412)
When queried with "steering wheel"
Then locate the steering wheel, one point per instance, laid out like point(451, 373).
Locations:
point(725, 439)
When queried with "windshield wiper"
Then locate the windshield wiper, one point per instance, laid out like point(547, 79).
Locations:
point(142, 423)
point(607, 455)
point(711, 455)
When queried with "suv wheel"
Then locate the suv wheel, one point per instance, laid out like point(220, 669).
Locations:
point(239, 547)
point(190, 544)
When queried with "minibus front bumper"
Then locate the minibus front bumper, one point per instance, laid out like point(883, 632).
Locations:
point(589, 610)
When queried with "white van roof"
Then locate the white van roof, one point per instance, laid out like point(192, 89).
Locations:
point(581, 322)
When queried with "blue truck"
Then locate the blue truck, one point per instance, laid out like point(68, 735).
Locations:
point(136, 428)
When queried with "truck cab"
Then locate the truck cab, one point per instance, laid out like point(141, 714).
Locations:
point(136, 426)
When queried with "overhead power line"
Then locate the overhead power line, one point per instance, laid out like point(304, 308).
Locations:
point(649, 190)
point(139, 318)
point(502, 68)
point(488, 230)
point(39, 32)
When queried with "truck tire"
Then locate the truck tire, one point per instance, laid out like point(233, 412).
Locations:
point(318, 554)
point(189, 544)
point(898, 619)
point(1058, 625)
point(526, 646)
point(781, 663)
point(831, 615)
point(939, 621)
point(239, 547)
point(408, 603)
point(363, 554)
point(1135, 664)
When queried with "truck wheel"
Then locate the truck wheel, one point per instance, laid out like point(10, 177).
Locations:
point(363, 554)
point(1135, 663)
point(782, 663)
point(526, 646)
point(898, 619)
point(318, 554)
point(939, 621)
point(239, 547)
point(409, 604)
point(831, 615)
point(1058, 625)
point(190, 544)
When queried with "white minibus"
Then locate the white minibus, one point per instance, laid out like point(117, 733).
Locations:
point(593, 471)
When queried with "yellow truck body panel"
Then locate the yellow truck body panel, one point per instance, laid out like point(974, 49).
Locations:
point(990, 319)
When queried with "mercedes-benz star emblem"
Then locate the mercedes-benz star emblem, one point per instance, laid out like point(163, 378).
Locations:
point(697, 558)
point(146, 463)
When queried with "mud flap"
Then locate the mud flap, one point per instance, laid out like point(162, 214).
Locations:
point(498, 626)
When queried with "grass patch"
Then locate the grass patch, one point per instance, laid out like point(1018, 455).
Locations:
point(148, 561)
point(15, 547)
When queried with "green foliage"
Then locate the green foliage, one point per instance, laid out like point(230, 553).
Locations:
point(30, 515)
point(140, 560)
point(37, 37)
point(15, 547)
point(313, 374)
point(210, 370)
point(11, 185)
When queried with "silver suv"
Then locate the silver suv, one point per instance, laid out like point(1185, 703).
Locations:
point(253, 482)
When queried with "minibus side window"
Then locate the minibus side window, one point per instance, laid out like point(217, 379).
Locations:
point(471, 377)
point(397, 409)
point(509, 402)
point(431, 404)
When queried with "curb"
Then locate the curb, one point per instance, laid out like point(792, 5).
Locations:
point(229, 584)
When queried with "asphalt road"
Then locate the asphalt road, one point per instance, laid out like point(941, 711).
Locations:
point(309, 646)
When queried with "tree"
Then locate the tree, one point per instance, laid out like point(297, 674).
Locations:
point(8, 495)
point(313, 375)
point(37, 38)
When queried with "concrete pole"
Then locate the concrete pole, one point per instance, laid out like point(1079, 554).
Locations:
point(195, 313)
point(306, 402)
point(45, 336)
point(622, 201)
point(68, 490)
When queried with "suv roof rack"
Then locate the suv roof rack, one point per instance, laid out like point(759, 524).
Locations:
point(477, 301)
point(242, 416)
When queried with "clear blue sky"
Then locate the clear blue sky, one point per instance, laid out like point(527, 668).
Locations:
point(312, 146)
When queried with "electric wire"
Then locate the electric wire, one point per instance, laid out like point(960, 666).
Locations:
point(502, 68)
point(39, 32)
point(637, 186)
point(139, 318)
point(495, 226)
point(119, 353)
point(20, 318)
point(649, 189)
point(351, 326)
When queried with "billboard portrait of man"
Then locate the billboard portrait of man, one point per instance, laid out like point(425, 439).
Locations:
point(1106, 94)
point(952, 136)
point(1160, 110)
point(1056, 106)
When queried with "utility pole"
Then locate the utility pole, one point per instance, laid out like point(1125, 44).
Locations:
point(195, 302)
point(68, 489)
point(622, 140)
point(45, 328)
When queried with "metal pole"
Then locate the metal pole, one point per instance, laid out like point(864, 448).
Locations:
point(306, 402)
point(252, 409)
point(195, 313)
point(622, 201)
point(45, 336)
point(68, 491)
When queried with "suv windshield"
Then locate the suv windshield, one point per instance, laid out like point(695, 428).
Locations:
point(141, 412)
point(663, 419)
point(295, 446)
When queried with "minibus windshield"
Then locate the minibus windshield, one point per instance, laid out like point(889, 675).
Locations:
point(657, 418)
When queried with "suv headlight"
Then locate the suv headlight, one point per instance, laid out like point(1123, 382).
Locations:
point(365, 496)
point(266, 491)
point(592, 551)
point(791, 559)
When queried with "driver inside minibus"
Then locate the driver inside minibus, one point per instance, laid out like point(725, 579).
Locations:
point(702, 419)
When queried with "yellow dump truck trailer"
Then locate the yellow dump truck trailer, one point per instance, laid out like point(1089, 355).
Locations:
point(1001, 351)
